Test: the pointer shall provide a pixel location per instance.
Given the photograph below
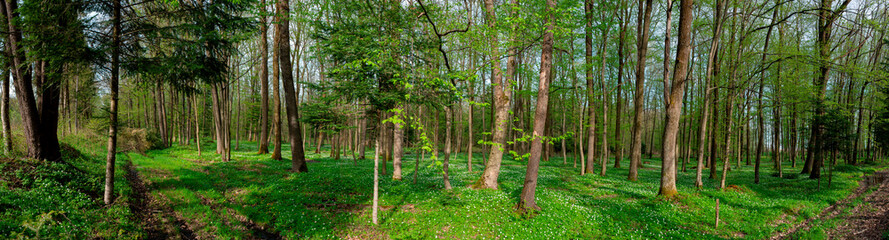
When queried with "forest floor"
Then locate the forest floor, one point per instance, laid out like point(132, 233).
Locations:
point(869, 220)
point(861, 215)
point(254, 197)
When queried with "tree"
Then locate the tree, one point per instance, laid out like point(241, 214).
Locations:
point(643, 21)
point(526, 199)
point(55, 38)
point(588, 43)
point(712, 68)
point(263, 82)
point(501, 100)
point(113, 89)
point(282, 36)
point(826, 17)
point(674, 99)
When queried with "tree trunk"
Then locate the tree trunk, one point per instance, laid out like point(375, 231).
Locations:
point(605, 101)
point(502, 94)
point(276, 119)
point(826, 17)
point(298, 158)
point(449, 115)
point(376, 193)
point(112, 114)
point(674, 101)
point(263, 83)
point(4, 108)
point(759, 106)
point(362, 135)
point(643, 21)
point(469, 143)
point(618, 132)
point(526, 200)
point(591, 134)
point(397, 146)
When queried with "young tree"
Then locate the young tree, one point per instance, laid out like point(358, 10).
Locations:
point(501, 98)
point(282, 36)
point(826, 17)
point(712, 68)
point(674, 99)
point(263, 81)
point(526, 200)
point(643, 22)
point(113, 89)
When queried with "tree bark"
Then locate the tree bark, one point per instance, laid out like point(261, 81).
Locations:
point(397, 146)
point(39, 134)
point(526, 200)
point(591, 134)
point(502, 94)
point(449, 115)
point(263, 83)
point(376, 193)
point(298, 158)
point(111, 156)
point(826, 17)
point(618, 132)
point(674, 102)
point(276, 119)
point(643, 21)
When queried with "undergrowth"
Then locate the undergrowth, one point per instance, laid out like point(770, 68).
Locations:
point(62, 200)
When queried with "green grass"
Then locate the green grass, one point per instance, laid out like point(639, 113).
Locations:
point(332, 200)
point(41, 199)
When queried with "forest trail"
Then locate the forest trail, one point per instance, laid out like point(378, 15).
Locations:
point(159, 204)
point(152, 213)
point(870, 219)
point(866, 221)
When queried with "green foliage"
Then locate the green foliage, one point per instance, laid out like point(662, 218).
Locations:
point(50, 200)
point(190, 42)
point(838, 128)
point(332, 202)
point(881, 121)
point(54, 33)
point(323, 116)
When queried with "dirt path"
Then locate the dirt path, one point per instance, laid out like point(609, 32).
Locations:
point(863, 223)
point(869, 220)
point(161, 221)
point(157, 218)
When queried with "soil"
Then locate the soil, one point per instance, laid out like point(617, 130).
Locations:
point(157, 219)
point(868, 220)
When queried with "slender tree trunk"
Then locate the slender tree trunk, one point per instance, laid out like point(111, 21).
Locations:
point(298, 158)
point(197, 122)
point(643, 22)
point(674, 100)
point(4, 108)
point(398, 148)
point(362, 136)
point(264, 83)
point(276, 119)
point(712, 69)
point(111, 156)
point(502, 94)
point(449, 115)
point(618, 131)
point(590, 84)
point(469, 149)
point(605, 101)
point(376, 194)
point(761, 127)
point(526, 200)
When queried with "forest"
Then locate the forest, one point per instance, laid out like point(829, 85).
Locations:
point(444, 119)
